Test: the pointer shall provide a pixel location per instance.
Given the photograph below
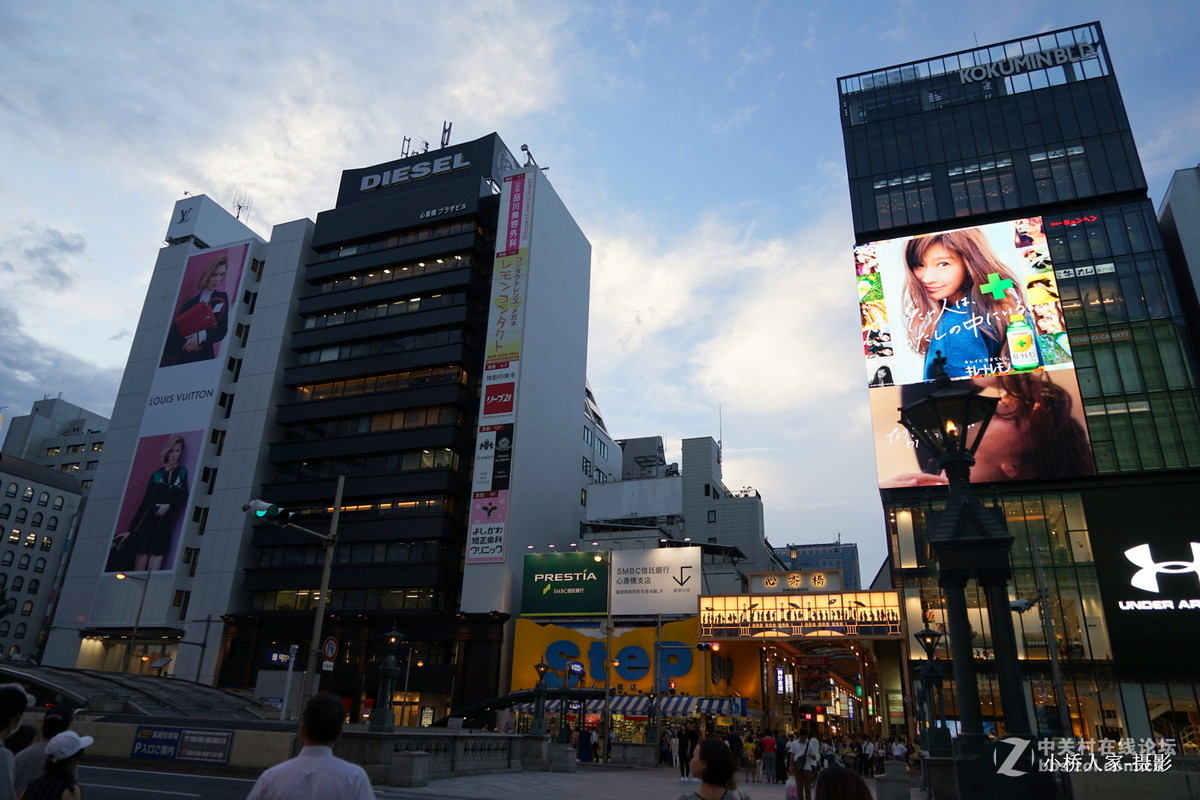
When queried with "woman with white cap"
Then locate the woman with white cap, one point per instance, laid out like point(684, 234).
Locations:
point(63, 753)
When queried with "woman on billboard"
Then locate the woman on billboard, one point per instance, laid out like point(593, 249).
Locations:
point(960, 299)
point(202, 321)
point(1036, 432)
point(150, 532)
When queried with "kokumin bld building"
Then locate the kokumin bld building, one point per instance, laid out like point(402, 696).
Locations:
point(1001, 219)
point(424, 341)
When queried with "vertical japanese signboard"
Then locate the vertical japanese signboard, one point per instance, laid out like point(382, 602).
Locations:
point(488, 521)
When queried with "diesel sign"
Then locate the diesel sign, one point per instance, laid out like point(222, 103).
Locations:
point(415, 172)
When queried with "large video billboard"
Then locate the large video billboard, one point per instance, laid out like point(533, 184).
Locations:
point(986, 300)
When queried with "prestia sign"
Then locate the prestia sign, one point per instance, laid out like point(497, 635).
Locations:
point(1028, 63)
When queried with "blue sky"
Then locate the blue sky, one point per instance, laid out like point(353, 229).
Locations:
point(697, 144)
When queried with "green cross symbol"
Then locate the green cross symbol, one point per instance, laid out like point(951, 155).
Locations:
point(996, 286)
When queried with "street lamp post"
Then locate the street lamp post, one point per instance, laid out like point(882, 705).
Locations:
point(606, 720)
point(137, 620)
point(538, 728)
point(382, 716)
point(937, 739)
point(970, 541)
point(407, 672)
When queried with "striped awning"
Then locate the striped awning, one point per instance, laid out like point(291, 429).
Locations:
point(722, 706)
point(635, 704)
point(676, 706)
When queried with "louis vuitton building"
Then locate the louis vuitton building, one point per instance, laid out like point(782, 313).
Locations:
point(998, 198)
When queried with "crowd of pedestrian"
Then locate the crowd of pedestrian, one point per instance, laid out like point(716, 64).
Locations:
point(34, 767)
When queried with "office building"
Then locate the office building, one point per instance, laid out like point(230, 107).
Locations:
point(38, 512)
point(825, 556)
point(424, 340)
point(1052, 292)
point(59, 435)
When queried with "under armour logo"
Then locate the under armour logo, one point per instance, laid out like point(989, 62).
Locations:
point(184, 213)
point(1146, 578)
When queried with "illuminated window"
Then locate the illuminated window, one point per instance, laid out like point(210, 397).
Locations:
point(47, 543)
point(26, 607)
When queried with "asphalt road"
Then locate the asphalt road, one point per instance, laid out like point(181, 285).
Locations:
point(106, 783)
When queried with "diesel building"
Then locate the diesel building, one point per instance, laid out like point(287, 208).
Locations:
point(997, 197)
point(425, 342)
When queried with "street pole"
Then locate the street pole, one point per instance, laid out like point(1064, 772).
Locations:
point(137, 620)
point(407, 670)
point(312, 679)
point(287, 684)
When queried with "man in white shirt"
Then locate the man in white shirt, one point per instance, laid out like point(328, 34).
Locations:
point(804, 762)
point(316, 774)
point(866, 764)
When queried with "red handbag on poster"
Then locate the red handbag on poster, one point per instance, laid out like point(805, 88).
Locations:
point(199, 317)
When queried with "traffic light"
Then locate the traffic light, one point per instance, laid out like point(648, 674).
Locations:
point(671, 686)
point(714, 646)
point(269, 512)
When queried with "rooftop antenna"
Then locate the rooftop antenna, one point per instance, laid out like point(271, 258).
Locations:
point(424, 144)
point(404, 147)
point(720, 432)
point(243, 202)
point(530, 161)
point(446, 126)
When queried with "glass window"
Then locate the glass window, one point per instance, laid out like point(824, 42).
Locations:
point(7, 559)
point(58, 503)
point(5, 511)
point(11, 491)
point(39, 565)
point(47, 543)
point(18, 583)
point(23, 561)
point(43, 498)
point(27, 495)
point(26, 608)
point(22, 515)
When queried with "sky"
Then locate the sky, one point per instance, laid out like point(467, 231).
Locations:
point(697, 144)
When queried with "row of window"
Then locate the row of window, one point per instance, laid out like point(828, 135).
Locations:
point(345, 316)
point(23, 514)
point(6, 626)
point(404, 419)
point(29, 539)
point(594, 472)
point(22, 563)
point(376, 599)
point(72, 449)
point(27, 496)
point(374, 384)
point(423, 505)
point(1053, 175)
point(18, 583)
point(406, 551)
point(590, 439)
point(73, 466)
point(395, 272)
point(400, 239)
point(379, 347)
point(440, 458)
point(937, 82)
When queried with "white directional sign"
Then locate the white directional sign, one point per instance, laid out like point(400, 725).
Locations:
point(661, 581)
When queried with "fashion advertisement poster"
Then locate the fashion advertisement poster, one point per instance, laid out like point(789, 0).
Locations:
point(1038, 431)
point(985, 298)
point(200, 319)
point(155, 503)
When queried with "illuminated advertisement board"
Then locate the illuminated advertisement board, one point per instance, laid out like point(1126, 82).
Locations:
point(1147, 555)
point(179, 408)
point(986, 300)
point(564, 583)
point(854, 615)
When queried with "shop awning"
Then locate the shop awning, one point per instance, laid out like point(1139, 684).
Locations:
point(676, 706)
point(621, 704)
point(722, 706)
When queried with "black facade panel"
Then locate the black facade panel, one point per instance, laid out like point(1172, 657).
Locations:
point(383, 292)
point(366, 444)
point(447, 355)
point(445, 394)
point(429, 481)
point(431, 248)
point(389, 326)
point(387, 214)
point(354, 576)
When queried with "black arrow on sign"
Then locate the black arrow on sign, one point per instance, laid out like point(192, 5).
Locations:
point(681, 575)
